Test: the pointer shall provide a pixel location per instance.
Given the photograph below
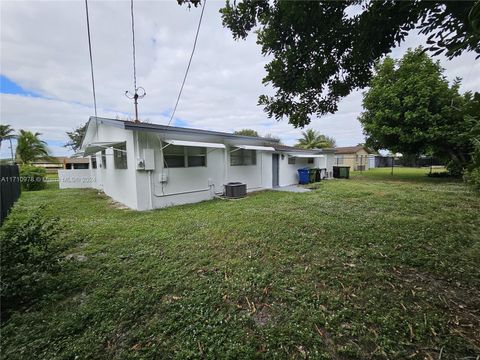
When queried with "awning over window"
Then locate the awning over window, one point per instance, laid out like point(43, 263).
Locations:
point(195, 143)
point(306, 156)
point(252, 147)
point(95, 147)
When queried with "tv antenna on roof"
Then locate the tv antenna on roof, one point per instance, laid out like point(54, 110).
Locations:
point(138, 92)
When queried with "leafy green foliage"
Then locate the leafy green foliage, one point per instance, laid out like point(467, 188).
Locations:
point(473, 174)
point(30, 147)
point(247, 132)
point(27, 257)
point(32, 177)
point(312, 139)
point(344, 271)
point(410, 108)
point(6, 132)
point(76, 137)
point(320, 53)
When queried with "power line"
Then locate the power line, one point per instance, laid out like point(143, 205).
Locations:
point(189, 62)
point(91, 59)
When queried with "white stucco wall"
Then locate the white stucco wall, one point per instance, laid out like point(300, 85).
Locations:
point(289, 172)
point(76, 179)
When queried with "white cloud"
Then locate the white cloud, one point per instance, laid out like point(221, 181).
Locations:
point(45, 50)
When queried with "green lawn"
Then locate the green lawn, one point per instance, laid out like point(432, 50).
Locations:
point(377, 266)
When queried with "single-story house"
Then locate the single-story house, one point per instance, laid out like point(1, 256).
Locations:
point(60, 162)
point(147, 166)
point(354, 156)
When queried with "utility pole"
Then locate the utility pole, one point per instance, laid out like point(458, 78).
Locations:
point(135, 98)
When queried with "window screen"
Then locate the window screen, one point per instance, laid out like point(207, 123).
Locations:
point(174, 156)
point(94, 161)
point(310, 161)
point(243, 157)
point(120, 156)
point(184, 156)
point(291, 160)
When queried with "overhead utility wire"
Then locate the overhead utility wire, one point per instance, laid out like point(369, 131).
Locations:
point(91, 59)
point(189, 62)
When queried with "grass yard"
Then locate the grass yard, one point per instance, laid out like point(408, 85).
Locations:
point(377, 266)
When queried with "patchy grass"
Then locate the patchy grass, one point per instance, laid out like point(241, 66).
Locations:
point(372, 267)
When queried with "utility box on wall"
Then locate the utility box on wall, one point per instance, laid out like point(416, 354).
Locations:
point(149, 158)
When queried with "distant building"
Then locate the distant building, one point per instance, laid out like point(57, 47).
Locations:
point(354, 156)
point(60, 162)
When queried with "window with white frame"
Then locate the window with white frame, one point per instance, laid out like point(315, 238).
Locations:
point(291, 160)
point(241, 157)
point(339, 159)
point(176, 156)
point(94, 161)
point(120, 156)
point(310, 161)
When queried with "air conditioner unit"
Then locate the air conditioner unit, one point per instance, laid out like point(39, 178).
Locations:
point(235, 190)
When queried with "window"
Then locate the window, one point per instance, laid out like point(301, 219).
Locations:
point(310, 161)
point(184, 156)
point(94, 161)
point(339, 160)
point(243, 157)
point(104, 159)
point(291, 160)
point(120, 156)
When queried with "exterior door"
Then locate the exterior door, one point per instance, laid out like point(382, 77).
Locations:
point(275, 169)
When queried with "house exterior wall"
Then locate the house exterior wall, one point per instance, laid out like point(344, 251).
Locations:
point(193, 184)
point(119, 184)
point(289, 172)
point(354, 160)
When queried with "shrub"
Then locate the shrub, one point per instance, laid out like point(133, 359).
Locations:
point(472, 176)
point(27, 257)
point(32, 177)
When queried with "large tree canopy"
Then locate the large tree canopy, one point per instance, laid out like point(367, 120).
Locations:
point(411, 108)
point(320, 53)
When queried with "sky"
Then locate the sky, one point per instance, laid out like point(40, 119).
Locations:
point(45, 71)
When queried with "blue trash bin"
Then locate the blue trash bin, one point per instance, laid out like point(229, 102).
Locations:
point(304, 176)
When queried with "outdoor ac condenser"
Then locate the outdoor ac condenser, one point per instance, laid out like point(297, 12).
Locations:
point(235, 190)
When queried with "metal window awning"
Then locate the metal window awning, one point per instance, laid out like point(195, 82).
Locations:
point(306, 156)
point(95, 147)
point(195, 144)
point(253, 147)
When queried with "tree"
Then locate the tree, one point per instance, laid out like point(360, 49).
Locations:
point(76, 137)
point(319, 53)
point(274, 137)
point(247, 132)
point(30, 147)
point(7, 133)
point(411, 108)
point(312, 139)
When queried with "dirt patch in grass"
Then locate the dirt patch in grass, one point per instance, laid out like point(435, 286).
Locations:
point(460, 302)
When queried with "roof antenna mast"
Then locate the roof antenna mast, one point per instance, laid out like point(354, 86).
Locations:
point(138, 92)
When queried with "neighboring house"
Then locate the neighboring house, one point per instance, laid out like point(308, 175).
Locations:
point(354, 156)
point(56, 163)
point(147, 166)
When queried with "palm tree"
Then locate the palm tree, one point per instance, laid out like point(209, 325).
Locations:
point(30, 147)
point(7, 133)
point(312, 139)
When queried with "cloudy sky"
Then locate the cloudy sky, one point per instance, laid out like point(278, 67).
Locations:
point(45, 71)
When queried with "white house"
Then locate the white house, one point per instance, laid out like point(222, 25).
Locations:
point(147, 166)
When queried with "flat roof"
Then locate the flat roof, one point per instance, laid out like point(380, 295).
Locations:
point(142, 126)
